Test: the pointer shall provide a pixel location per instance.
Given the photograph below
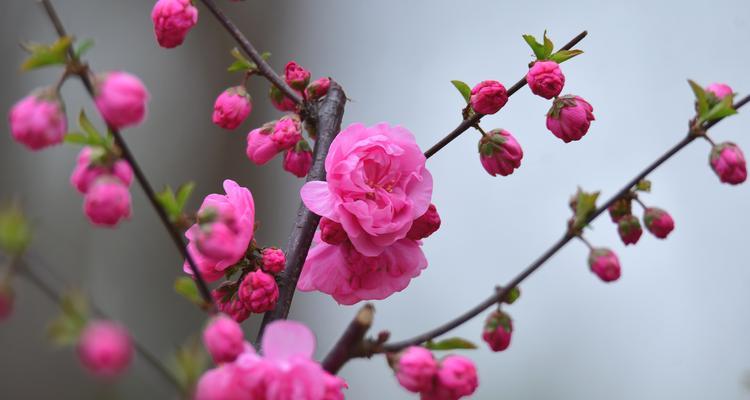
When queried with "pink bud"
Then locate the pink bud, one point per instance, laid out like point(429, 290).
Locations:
point(317, 88)
point(280, 101)
point(488, 97)
point(629, 229)
point(728, 161)
point(259, 292)
point(172, 20)
point(719, 90)
point(620, 208)
point(232, 107)
point(658, 222)
point(287, 132)
point(228, 302)
point(260, 146)
point(224, 339)
point(333, 387)
point(416, 369)
point(498, 330)
point(499, 152)
point(107, 202)
point(457, 377)
point(425, 225)
point(6, 301)
point(221, 383)
point(92, 165)
point(570, 117)
point(545, 79)
point(38, 121)
point(332, 232)
point(121, 99)
point(296, 76)
point(274, 260)
point(298, 159)
point(105, 349)
point(604, 263)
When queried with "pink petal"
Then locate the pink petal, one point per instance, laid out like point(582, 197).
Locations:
point(285, 340)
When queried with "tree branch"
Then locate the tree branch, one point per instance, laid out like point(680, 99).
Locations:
point(351, 343)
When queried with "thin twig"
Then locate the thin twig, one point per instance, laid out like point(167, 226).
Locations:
point(351, 341)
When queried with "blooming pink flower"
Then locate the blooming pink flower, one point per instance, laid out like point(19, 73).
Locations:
point(260, 146)
point(658, 222)
point(274, 260)
point(172, 20)
point(620, 208)
point(604, 263)
point(296, 76)
point(416, 369)
point(570, 117)
point(728, 161)
point(298, 160)
point(317, 88)
point(545, 79)
point(629, 229)
point(287, 132)
point(425, 225)
point(259, 292)
point(6, 301)
point(498, 330)
point(377, 185)
point(457, 377)
point(89, 168)
point(121, 99)
point(107, 202)
point(38, 122)
point(229, 302)
point(349, 276)
point(488, 97)
point(499, 152)
point(280, 101)
point(232, 226)
point(232, 107)
point(332, 232)
point(105, 349)
point(221, 383)
point(224, 339)
point(719, 90)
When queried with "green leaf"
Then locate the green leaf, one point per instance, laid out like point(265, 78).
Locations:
point(723, 109)
point(188, 364)
point(453, 343)
point(83, 47)
point(43, 55)
point(644, 185)
point(93, 135)
point(512, 296)
point(464, 89)
point(15, 232)
point(564, 55)
point(585, 206)
point(700, 97)
point(241, 63)
point(168, 201)
point(185, 286)
point(536, 47)
point(548, 46)
point(76, 138)
point(265, 55)
point(67, 327)
point(183, 194)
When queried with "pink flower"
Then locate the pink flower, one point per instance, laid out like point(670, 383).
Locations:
point(274, 260)
point(570, 117)
point(121, 99)
point(377, 185)
point(658, 222)
point(287, 132)
point(349, 276)
point(719, 90)
point(105, 349)
point(107, 202)
point(317, 88)
point(728, 161)
point(228, 301)
point(499, 152)
point(260, 146)
point(296, 76)
point(90, 166)
point(604, 263)
point(259, 292)
point(173, 19)
point(332, 232)
point(280, 101)
point(457, 377)
point(224, 339)
point(620, 208)
point(38, 122)
point(334, 387)
point(498, 330)
point(298, 160)
point(416, 369)
point(221, 383)
point(629, 229)
point(425, 225)
point(545, 79)
point(488, 97)
point(6, 301)
point(231, 108)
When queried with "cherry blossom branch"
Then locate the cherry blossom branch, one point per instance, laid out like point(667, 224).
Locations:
point(505, 290)
point(350, 344)
point(263, 68)
point(474, 119)
point(174, 233)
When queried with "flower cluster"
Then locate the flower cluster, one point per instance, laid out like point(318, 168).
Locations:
point(450, 378)
point(657, 221)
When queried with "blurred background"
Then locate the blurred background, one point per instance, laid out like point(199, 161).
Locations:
point(674, 326)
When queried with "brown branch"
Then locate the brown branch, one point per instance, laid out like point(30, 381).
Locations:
point(352, 341)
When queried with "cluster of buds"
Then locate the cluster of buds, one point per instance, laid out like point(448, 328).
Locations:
point(284, 135)
point(417, 370)
point(629, 227)
point(104, 180)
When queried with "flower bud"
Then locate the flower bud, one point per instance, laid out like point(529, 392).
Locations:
point(224, 339)
point(457, 377)
point(620, 208)
point(38, 121)
point(317, 88)
point(259, 292)
point(260, 146)
point(274, 260)
point(228, 301)
point(719, 90)
point(172, 20)
point(296, 76)
point(604, 263)
point(232, 107)
point(416, 369)
point(6, 301)
point(332, 232)
point(498, 330)
point(425, 225)
point(90, 166)
point(545, 79)
point(121, 99)
point(658, 222)
point(629, 229)
point(280, 101)
point(728, 161)
point(298, 160)
point(488, 97)
point(499, 152)
point(287, 132)
point(105, 349)
point(107, 202)
point(570, 117)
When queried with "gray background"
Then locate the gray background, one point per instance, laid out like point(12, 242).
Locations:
point(674, 326)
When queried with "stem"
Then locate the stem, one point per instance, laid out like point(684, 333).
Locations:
point(350, 344)
point(639, 202)
point(474, 120)
point(586, 242)
point(709, 140)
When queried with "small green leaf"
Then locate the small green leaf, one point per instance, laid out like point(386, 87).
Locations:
point(188, 364)
point(241, 63)
point(45, 55)
point(453, 343)
point(564, 55)
point(723, 109)
point(548, 46)
point(585, 206)
point(536, 47)
point(168, 201)
point(644, 185)
point(185, 287)
point(15, 232)
point(93, 135)
point(265, 55)
point(67, 327)
point(183, 194)
point(76, 138)
point(512, 296)
point(83, 47)
point(700, 97)
point(464, 89)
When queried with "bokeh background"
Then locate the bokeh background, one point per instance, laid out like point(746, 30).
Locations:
point(674, 326)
